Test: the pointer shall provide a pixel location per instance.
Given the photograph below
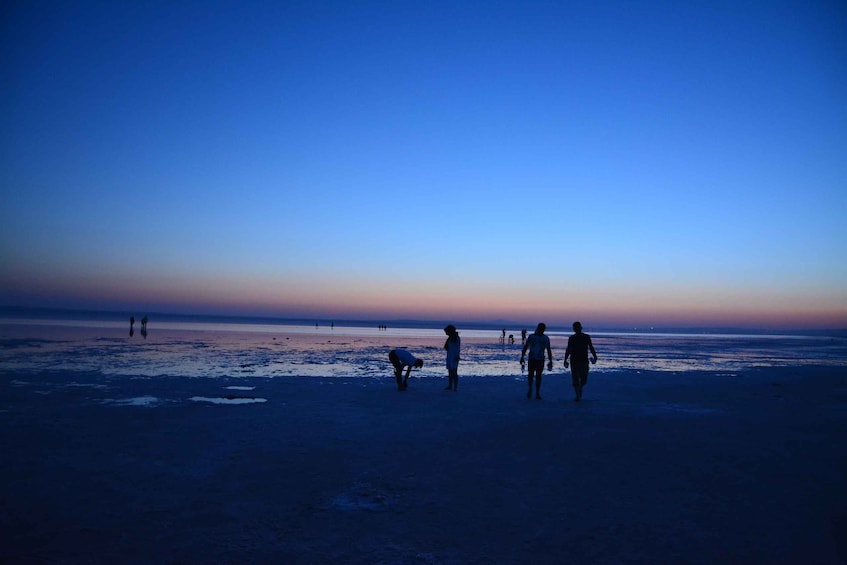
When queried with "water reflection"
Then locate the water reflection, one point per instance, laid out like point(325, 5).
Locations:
point(218, 350)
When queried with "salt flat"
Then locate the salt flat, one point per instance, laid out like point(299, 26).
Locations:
point(650, 467)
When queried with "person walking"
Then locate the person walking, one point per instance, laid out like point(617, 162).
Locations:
point(579, 345)
point(400, 359)
point(452, 347)
point(537, 344)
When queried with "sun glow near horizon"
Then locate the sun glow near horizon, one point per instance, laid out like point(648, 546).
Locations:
point(463, 300)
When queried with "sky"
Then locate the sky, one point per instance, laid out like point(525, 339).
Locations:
point(623, 163)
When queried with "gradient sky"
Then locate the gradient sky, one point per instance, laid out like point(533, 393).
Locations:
point(632, 162)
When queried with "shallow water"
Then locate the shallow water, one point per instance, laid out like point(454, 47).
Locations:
point(232, 350)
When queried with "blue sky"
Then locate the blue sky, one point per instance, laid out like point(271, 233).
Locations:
point(623, 162)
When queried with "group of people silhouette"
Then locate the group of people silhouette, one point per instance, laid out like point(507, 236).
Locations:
point(537, 344)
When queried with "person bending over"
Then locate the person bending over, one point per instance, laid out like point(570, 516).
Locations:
point(401, 358)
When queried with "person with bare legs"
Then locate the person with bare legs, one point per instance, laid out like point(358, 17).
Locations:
point(537, 343)
point(400, 359)
point(452, 347)
point(578, 346)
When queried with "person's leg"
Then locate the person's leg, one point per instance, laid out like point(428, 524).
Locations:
point(398, 368)
point(575, 380)
point(538, 382)
point(580, 377)
point(535, 368)
point(583, 380)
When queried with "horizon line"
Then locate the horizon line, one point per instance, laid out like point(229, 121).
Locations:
point(491, 323)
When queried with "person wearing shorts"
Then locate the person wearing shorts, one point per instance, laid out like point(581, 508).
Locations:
point(400, 359)
point(452, 346)
point(579, 344)
point(537, 344)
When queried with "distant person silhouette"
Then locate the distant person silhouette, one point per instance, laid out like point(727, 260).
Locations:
point(523, 336)
point(578, 346)
point(503, 336)
point(131, 324)
point(144, 326)
point(401, 359)
point(537, 344)
point(452, 347)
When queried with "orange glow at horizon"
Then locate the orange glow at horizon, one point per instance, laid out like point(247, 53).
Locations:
point(439, 301)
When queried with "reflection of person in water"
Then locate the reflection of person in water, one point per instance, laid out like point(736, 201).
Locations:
point(131, 324)
point(401, 358)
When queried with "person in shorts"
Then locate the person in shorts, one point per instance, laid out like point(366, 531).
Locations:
point(579, 344)
point(452, 346)
point(400, 359)
point(537, 344)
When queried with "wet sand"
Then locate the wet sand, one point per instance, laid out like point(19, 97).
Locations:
point(649, 467)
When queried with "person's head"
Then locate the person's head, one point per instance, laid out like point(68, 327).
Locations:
point(450, 329)
point(541, 327)
point(577, 327)
point(419, 363)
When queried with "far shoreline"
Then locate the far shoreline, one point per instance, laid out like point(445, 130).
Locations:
point(15, 313)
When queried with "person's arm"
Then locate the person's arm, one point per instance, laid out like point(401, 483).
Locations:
point(549, 357)
point(593, 353)
point(567, 353)
point(523, 351)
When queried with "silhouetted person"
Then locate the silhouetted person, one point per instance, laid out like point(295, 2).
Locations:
point(144, 326)
point(401, 358)
point(537, 344)
point(511, 339)
point(523, 336)
point(578, 346)
point(452, 347)
point(131, 324)
point(503, 336)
